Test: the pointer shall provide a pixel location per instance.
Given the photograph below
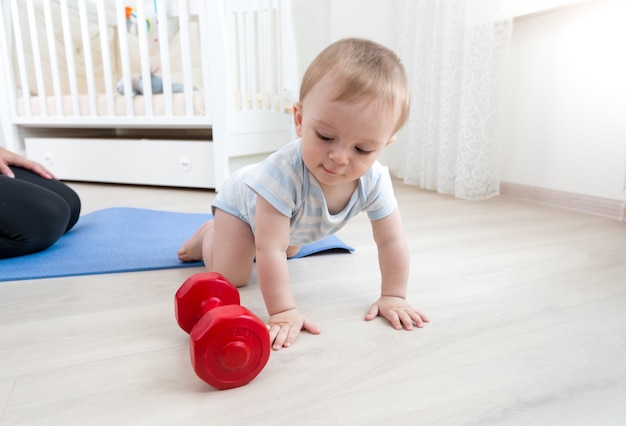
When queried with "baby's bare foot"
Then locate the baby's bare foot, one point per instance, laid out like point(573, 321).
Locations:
point(191, 250)
point(292, 251)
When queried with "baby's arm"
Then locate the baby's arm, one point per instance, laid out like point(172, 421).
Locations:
point(272, 240)
point(393, 258)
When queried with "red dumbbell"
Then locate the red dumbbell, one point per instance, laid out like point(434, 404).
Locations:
point(229, 345)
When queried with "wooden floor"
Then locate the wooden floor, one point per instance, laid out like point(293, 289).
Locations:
point(528, 327)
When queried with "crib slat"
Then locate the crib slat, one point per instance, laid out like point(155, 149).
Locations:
point(270, 57)
point(280, 54)
point(239, 47)
point(69, 57)
point(144, 58)
point(106, 57)
point(124, 59)
point(251, 68)
point(185, 56)
point(165, 56)
point(34, 41)
point(273, 55)
point(260, 38)
point(204, 56)
point(8, 110)
point(86, 40)
point(6, 71)
point(268, 60)
point(19, 50)
point(54, 66)
point(263, 39)
point(281, 6)
point(277, 88)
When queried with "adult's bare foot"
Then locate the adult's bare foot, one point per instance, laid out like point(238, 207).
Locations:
point(191, 250)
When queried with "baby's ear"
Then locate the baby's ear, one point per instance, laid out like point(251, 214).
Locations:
point(391, 139)
point(297, 118)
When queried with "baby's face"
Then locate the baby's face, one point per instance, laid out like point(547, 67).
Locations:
point(341, 139)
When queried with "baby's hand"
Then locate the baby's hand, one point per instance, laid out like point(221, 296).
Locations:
point(398, 312)
point(285, 326)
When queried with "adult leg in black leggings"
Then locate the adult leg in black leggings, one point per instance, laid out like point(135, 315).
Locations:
point(34, 212)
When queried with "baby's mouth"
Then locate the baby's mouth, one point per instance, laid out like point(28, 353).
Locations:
point(329, 171)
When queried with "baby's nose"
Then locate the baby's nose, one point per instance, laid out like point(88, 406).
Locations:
point(339, 155)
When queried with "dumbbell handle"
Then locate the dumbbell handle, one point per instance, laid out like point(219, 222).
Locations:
point(209, 304)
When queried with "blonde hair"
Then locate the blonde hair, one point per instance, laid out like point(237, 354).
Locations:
point(366, 70)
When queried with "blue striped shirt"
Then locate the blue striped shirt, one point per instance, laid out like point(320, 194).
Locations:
point(283, 180)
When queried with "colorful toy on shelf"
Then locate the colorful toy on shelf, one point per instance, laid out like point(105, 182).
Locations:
point(229, 345)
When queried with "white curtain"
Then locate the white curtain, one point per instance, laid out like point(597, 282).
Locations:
point(455, 53)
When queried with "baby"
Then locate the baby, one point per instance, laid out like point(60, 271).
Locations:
point(354, 97)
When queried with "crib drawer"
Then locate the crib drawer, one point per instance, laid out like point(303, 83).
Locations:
point(180, 163)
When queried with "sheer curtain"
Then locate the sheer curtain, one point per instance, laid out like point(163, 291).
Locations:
point(455, 53)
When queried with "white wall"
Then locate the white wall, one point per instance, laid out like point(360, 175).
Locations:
point(564, 120)
point(311, 28)
point(318, 23)
point(565, 113)
point(517, 8)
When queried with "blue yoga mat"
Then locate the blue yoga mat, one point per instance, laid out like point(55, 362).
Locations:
point(124, 239)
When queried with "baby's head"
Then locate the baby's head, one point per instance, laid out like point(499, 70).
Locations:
point(366, 70)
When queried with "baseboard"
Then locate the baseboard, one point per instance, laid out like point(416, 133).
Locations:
point(605, 207)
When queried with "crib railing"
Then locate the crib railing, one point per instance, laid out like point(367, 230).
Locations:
point(62, 34)
point(80, 62)
point(256, 36)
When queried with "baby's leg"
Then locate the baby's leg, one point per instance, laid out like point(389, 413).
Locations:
point(231, 251)
point(191, 250)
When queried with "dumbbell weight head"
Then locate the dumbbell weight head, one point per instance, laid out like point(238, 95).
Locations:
point(229, 347)
point(199, 294)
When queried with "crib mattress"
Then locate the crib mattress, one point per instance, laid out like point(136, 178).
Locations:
point(263, 102)
point(118, 104)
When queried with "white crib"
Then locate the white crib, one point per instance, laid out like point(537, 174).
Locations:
point(73, 72)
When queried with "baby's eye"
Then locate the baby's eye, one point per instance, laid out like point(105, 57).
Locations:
point(361, 150)
point(322, 137)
